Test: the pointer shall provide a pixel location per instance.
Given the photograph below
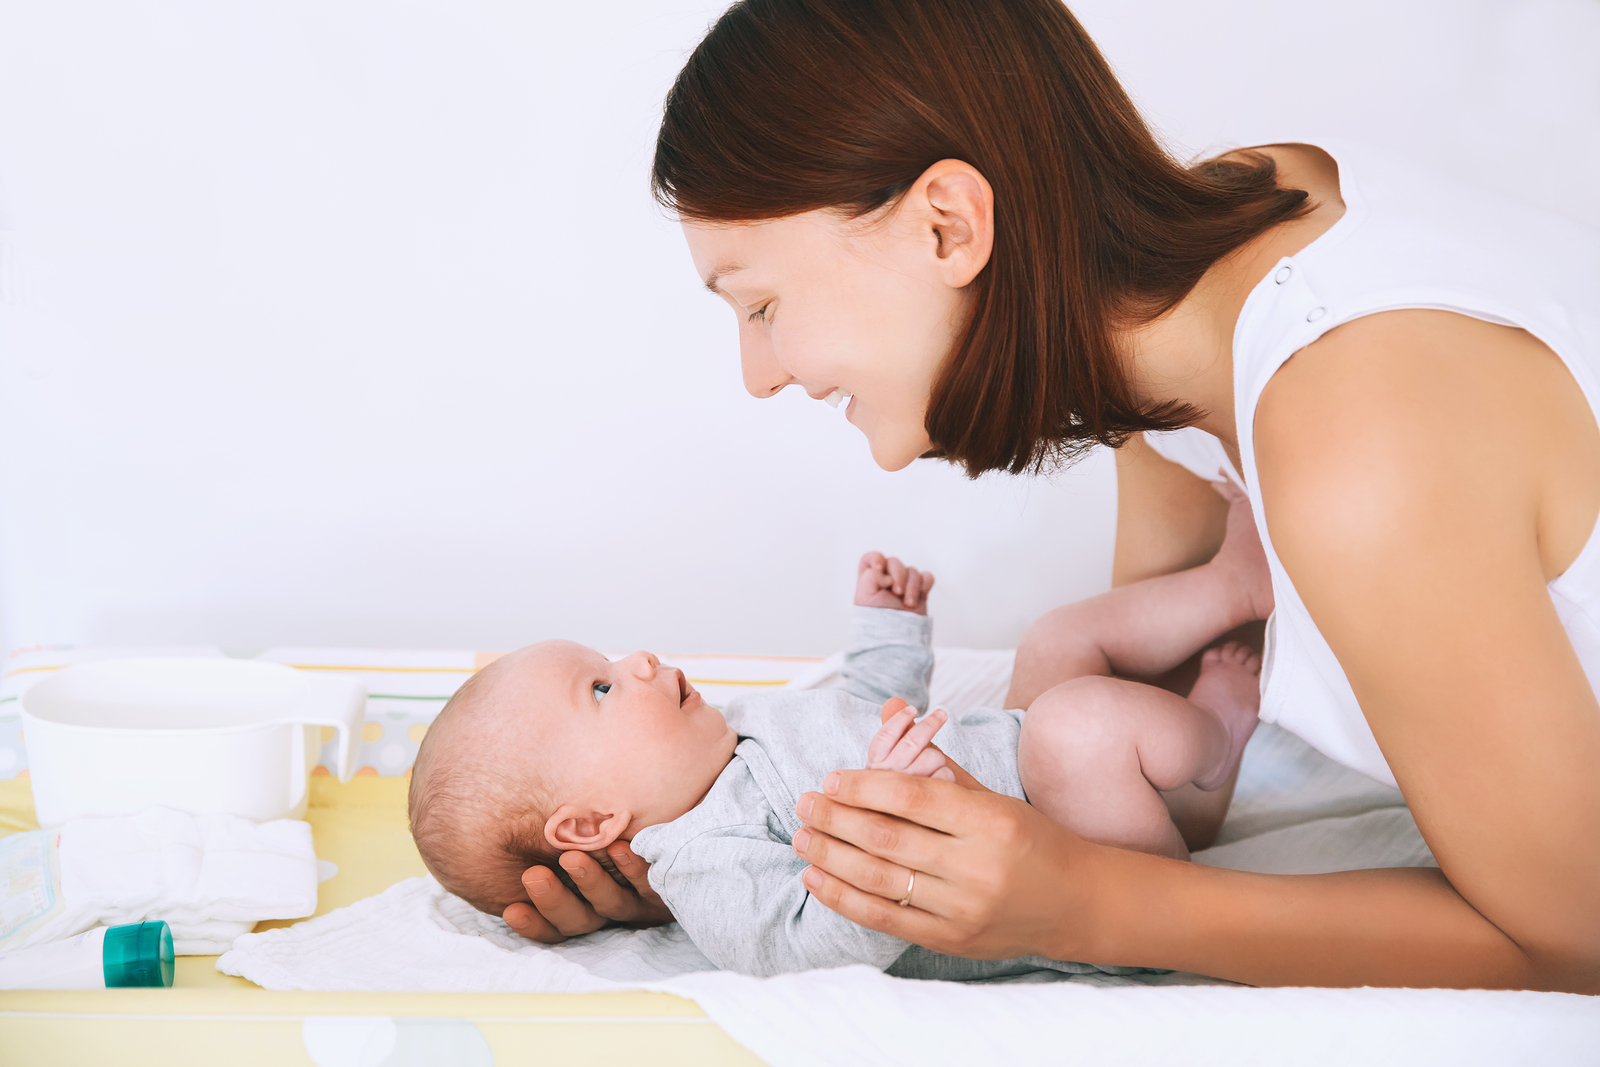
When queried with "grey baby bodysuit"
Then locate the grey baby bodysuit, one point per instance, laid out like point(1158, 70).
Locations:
point(726, 868)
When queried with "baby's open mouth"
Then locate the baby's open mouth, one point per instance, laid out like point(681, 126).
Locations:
point(683, 689)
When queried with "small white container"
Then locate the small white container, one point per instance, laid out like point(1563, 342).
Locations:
point(203, 736)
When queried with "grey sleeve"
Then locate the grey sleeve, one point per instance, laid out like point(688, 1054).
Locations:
point(738, 895)
point(889, 654)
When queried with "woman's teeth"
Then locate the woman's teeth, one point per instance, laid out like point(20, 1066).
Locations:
point(834, 398)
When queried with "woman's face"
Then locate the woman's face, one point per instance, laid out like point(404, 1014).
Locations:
point(826, 303)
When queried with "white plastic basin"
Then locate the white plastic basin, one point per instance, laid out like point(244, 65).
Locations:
point(205, 736)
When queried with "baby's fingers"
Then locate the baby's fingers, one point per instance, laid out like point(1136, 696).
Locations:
point(892, 707)
point(897, 572)
point(909, 747)
point(913, 593)
point(928, 764)
point(888, 736)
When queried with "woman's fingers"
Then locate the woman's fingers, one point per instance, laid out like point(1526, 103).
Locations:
point(647, 907)
point(560, 907)
point(911, 923)
point(605, 898)
point(868, 873)
point(833, 829)
point(525, 920)
point(557, 913)
point(941, 806)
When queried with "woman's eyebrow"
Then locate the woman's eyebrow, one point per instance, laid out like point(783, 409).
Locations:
point(717, 275)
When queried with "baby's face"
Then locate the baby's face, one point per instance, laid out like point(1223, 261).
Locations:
point(630, 735)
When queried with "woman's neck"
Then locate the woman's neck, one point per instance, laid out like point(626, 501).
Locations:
point(1187, 354)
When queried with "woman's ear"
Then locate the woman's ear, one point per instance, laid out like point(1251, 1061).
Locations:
point(956, 205)
point(582, 829)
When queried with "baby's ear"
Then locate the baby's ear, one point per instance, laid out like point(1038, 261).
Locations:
point(584, 829)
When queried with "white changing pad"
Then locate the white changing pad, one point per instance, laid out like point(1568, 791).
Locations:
point(1295, 812)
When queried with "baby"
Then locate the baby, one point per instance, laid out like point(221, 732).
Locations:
point(555, 748)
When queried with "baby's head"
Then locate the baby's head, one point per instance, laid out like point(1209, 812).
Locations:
point(554, 748)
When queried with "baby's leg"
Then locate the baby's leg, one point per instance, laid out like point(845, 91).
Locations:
point(1096, 752)
point(1149, 627)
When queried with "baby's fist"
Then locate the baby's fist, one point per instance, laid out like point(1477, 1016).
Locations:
point(887, 583)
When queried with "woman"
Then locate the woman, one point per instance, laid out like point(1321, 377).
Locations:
point(952, 212)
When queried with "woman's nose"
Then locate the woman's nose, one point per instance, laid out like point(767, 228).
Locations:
point(763, 375)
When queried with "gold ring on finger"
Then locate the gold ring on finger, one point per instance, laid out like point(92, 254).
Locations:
point(905, 901)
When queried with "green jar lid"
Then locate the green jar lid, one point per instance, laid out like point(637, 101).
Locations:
point(138, 954)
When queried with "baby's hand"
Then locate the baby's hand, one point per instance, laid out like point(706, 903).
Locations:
point(888, 583)
point(902, 744)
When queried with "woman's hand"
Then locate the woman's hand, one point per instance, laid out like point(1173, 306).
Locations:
point(995, 879)
point(557, 913)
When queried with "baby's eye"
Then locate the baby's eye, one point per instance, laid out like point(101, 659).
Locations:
point(600, 690)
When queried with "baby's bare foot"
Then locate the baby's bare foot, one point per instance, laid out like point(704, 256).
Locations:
point(1241, 556)
point(1229, 687)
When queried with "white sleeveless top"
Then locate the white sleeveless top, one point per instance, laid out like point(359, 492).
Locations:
point(1409, 238)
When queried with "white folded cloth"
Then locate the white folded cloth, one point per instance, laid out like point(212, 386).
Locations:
point(210, 877)
point(416, 936)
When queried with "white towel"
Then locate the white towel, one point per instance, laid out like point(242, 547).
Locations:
point(210, 877)
point(415, 936)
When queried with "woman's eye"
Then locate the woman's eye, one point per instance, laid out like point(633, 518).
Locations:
point(600, 690)
point(760, 312)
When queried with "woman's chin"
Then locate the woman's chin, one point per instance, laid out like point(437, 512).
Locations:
point(896, 453)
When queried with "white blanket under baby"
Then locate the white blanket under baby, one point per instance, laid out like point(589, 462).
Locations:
point(1295, 812)
point(210, 877)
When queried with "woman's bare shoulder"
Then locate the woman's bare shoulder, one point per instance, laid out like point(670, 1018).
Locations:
point(1428, 416)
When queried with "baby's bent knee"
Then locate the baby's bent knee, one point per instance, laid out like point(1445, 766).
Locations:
point(1080, 718)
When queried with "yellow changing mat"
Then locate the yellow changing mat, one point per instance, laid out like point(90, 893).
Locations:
point(208, 1017)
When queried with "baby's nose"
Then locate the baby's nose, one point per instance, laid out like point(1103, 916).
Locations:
point(645, 664)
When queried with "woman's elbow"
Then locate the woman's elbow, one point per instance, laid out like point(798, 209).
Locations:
point(1565, 956)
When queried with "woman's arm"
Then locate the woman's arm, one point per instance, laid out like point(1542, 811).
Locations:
point(1421, 542)
point(1168, 519)
point(997, 879)
point(1422, 547)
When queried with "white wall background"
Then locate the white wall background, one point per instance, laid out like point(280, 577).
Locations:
point(353, 323)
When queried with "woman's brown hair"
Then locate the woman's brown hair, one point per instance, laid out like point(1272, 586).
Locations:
point(790, 106)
